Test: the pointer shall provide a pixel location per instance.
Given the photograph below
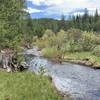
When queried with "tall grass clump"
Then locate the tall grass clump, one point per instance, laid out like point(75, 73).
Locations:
point(51, 52)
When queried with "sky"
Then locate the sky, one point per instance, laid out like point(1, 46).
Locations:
point(56, 8)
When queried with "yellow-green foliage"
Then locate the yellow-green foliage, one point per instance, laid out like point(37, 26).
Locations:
point(78, 55)
point(61, 38)
point(26, 86)
point(73, 40)
point(48, 33)
point(53, 41)
point(87, 41)
point(42, 43)
point(51, 52)
point(97, 39)
point(96, 51)
point(82, 55)
point(71, 47)
point(49, 39)
point(46, 40)
point(74, 35)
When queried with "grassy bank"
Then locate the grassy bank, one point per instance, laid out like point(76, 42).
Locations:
point(79, 57)
point(26, 86)
point(83, 58)
point(82, 55)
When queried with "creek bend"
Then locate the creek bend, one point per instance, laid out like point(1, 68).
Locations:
point(83, 83)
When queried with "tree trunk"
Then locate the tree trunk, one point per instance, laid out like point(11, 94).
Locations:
point(6, 60)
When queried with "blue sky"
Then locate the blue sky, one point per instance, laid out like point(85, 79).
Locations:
point(55, 8)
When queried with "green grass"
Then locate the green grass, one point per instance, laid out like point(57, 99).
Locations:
point(26, 86)
point(82, 55)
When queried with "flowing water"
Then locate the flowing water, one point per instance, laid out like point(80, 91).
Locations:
point(83, 83)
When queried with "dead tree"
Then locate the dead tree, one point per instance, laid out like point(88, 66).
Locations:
point(7, 59)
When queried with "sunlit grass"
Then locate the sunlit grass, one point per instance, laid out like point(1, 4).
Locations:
point(26, 86)
point(82, 55)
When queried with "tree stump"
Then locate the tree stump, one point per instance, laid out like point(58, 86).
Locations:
point(10, 61)
point(7, 59)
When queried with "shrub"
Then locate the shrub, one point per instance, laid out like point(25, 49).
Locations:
point(71, 47)
point(74, 34)
point(48, 33)
point(53, 41)
point(61, 37)
point(97, 39)
point(96, 50)
point(87, 42)
point(74, 47)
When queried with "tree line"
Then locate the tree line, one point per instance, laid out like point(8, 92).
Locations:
point(84, 22)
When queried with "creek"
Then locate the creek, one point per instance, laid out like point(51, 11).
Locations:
point(83, 83)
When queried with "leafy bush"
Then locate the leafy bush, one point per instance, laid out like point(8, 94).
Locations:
point(71, 47)
point(97, 39)
point(96, 50)
point(87, 42)
point(74, 35)
point(74, 40)
point(48, 33)
point(61, 38)
point(42, 43)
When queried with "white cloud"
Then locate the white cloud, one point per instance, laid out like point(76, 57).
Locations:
point(37, 2)
point(32, 10)
point(66, 6)
point(46, 2)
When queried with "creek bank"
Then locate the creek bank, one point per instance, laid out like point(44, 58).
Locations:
point(81, 58)
point(85, 62)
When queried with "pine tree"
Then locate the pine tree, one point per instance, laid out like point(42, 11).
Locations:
point(96, 17)
point(11, 17)
point(63, 23)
